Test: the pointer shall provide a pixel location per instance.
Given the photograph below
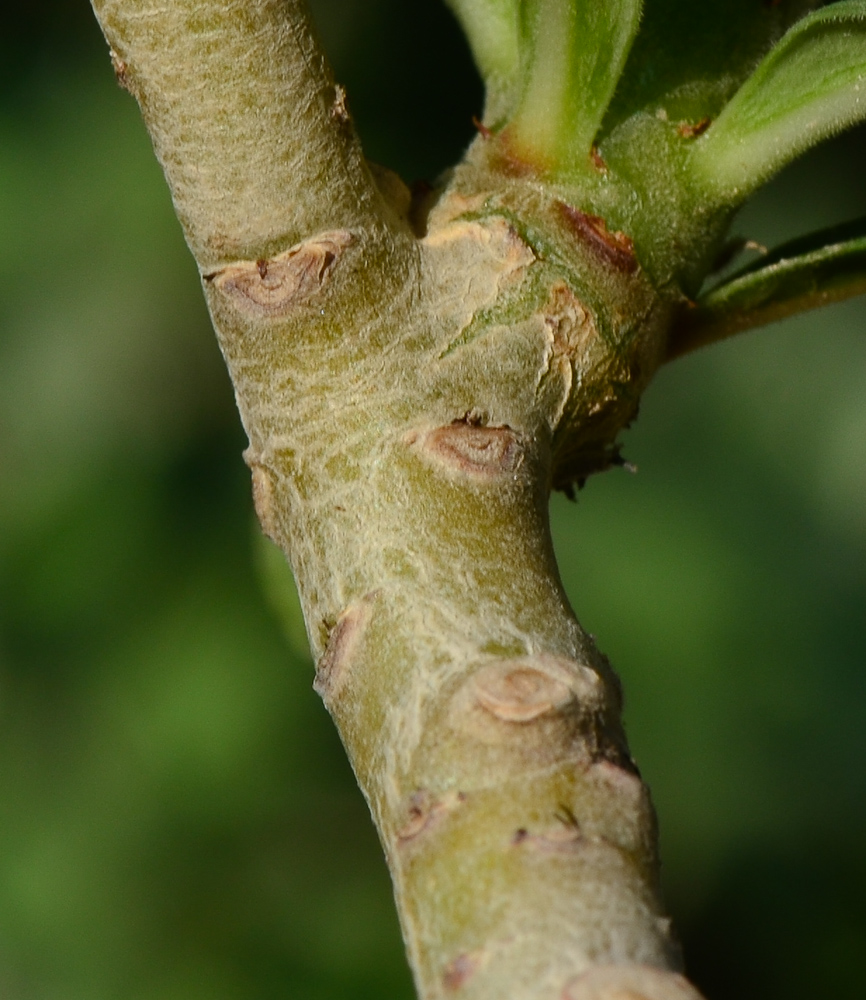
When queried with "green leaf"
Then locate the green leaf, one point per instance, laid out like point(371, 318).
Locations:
point(810, 86)
point(492, 29)
point(573, 54)
point(689, 58)
point(813, 271)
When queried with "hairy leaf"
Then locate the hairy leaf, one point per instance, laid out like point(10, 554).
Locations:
point(689, 58)
point(491, 27)
point(811, 85)
point(813, 271)
point(574, 52)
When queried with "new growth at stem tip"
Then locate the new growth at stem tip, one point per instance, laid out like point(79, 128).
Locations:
point(554, 68)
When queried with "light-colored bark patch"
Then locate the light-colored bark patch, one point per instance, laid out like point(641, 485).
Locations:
point(571, 326)
point(478, 258)
point(476, 451)
point(280, 284)
point(264, 499)
point(539, 703)
point(335, 663)
point(515, 692)
point(629, 982)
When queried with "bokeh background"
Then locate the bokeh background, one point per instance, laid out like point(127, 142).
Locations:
point(176, 818)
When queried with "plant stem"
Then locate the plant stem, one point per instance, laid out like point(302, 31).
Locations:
point(244, 117)
point(805, 274)
point(409, 401)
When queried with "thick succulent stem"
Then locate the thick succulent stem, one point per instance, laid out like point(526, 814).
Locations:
point(410, 397)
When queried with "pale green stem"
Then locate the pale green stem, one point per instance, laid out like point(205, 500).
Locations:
point(245, 120)
point(573, 53)
point(492, 29)
point(541, 124)
point(408, 402)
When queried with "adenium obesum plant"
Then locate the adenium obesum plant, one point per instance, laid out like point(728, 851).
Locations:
point(416, 372)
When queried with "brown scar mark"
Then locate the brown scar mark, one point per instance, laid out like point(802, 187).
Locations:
point(615, 248)
point(513, 166)
point(459, 970)
point(276, 286)
point(564, 836)
point(120, 70)
point(541, 701)
point(557, 839)
point(523, 689)
point(333, 667)
point(570, 324)
point(691, 130)
point(418, 815)
point(597, 160)
point(424, 810)
point(629, 982)
point(339, 109)
point(477, 451)
point(483, 130)
point(519, 691)
point(510, 159)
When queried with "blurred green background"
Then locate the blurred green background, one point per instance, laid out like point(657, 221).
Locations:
point(176, 817)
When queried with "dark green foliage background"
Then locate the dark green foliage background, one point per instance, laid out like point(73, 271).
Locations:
point(176, 817)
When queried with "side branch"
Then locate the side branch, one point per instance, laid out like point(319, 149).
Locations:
point(818, 270)
point(246, 121)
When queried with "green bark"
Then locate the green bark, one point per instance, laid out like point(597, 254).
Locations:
point(414, 377)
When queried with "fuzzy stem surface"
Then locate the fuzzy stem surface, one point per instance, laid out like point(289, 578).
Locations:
point(410, 397)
